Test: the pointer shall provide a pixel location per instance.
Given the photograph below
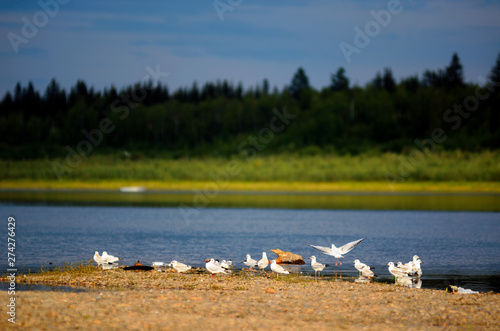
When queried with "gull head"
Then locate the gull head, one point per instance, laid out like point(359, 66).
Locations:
point(356, 261)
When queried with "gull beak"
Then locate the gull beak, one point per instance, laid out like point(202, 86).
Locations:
point(206, 260)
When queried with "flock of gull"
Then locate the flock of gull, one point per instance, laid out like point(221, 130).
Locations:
point(403, 273)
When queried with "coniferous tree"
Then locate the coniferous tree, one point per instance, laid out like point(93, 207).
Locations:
point(194, 94)
point(388, 80)
point(300, 82)
point(378, 81)
point(454, 73)
point(339, 81)
point(494, 76)
point(265, 86)
point(411, 83)
point(55, 98)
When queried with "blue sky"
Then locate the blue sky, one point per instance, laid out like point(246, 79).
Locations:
point(113, 42)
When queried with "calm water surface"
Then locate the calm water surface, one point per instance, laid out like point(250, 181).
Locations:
point(458, 248)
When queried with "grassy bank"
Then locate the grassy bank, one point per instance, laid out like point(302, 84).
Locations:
point(304, 187)
point(460, 171)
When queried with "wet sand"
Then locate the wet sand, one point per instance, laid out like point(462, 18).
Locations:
point(119, 299)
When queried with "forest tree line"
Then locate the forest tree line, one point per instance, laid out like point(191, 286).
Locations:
point(384, 115)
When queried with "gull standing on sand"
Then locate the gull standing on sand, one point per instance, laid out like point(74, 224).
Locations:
point(264, 262)
point(250, 262)
point(211, 266)
point(367, 273)
point(416, 271)
point(318, 267)
point(99, 259)
point(360, 266)
point(278, 269)
point(337, 252)
point(395, 271)
point(179, 267)
point(226, 264)
point(109, 258)
point(408, 267)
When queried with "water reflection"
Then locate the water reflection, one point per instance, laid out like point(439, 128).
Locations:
point(409, 282)
point(296, 200)
point(4, 286)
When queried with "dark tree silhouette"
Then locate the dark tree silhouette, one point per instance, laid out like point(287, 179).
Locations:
point(300, 82)
point(454, 74)
point(494, 76)
point(339, 81)
point(388, 80)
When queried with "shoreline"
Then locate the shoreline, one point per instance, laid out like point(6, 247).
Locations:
point(131, 299)
point(347, 187)
point(446, 196)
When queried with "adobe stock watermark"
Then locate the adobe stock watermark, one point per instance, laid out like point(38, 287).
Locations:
point(30, 28)
point(372, 29)
point(249, 148)
point(120, 106)
point(454, 116)
point(222, 6)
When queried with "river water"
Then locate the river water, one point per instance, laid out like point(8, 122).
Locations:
point(457, 248)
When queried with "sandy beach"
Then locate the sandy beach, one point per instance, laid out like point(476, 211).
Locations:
point(118, 299)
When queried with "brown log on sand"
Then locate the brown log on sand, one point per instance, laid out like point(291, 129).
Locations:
point(287, 257)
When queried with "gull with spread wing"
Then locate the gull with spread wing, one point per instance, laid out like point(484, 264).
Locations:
point(337, 252)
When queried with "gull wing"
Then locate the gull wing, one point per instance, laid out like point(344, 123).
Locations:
point(325, 250)
point(348, 247)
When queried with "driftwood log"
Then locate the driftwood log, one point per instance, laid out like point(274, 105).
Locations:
point(287, 257)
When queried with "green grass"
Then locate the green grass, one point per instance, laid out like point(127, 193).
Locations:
point(73, 269)
point(262, 172)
